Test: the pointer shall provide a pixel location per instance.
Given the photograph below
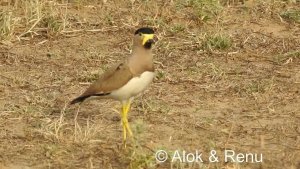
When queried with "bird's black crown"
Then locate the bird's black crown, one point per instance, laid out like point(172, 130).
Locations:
point(144, 30)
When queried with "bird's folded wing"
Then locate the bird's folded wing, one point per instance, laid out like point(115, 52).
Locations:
point(113, 79)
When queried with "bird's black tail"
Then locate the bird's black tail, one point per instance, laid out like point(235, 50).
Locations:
point(82, 98)
point(79, 99)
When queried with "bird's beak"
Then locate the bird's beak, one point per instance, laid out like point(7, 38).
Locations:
point(148, 38)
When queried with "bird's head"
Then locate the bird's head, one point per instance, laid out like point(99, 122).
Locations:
point(144, 37)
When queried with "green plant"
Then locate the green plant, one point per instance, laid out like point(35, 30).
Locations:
point(52, 23)
point(291, 15)
point(202, 9)
point(177, 28)
point(217, 41)
point(6, 24)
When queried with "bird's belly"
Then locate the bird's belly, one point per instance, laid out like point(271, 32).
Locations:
point(133, 87)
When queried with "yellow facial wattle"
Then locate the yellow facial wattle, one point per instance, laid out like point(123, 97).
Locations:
point(146, 37)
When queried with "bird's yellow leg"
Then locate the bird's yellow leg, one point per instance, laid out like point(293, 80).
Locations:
point(127, 108)
point(125, 125)
point(123, 118)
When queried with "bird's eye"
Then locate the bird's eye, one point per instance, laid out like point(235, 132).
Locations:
point(140, 34)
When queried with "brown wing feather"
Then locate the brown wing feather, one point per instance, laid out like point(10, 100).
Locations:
point(112, 79)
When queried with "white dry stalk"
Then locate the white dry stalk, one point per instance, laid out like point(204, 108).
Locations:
point(77, 128)
point(84, 134)
point(53, 129)
point(33, 13)
point(60, 123)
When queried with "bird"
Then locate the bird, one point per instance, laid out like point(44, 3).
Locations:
point(126, 79)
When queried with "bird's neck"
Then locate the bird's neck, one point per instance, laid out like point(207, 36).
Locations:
point(141, 60)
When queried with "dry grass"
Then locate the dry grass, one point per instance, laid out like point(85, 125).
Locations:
point(227, 78)
point(7, 28)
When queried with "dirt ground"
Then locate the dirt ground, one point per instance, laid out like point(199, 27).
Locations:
point(243, 95)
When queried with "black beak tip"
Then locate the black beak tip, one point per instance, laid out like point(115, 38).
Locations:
point(151, 41)
point(155, 39)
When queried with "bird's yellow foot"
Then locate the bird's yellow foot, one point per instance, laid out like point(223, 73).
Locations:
point(124, 134)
